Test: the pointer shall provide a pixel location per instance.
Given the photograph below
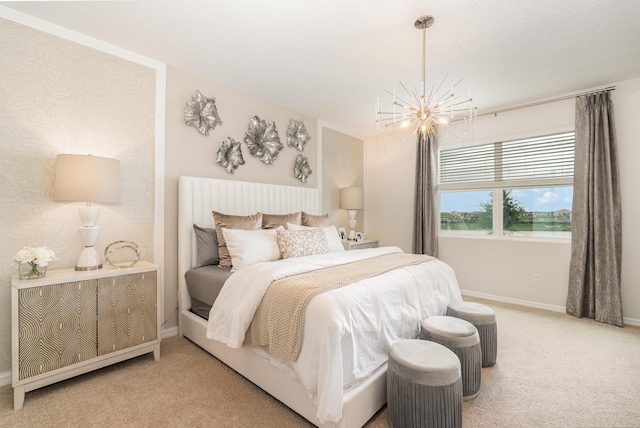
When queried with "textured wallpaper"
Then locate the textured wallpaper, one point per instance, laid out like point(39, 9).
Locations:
point(57, 96)
point(342, 166)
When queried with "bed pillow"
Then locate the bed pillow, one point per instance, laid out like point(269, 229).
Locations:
point(248, 247)
point(315, 220)
point(272, 221)
point(333, 237)
point(249, 222)
point(207, 246)
point(299, 243)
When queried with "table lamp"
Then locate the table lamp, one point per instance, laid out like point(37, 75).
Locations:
point(352, 199)
point(90, 179)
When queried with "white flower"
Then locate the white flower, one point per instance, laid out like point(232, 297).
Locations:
point(44, 256)
point(40, 256)
point(26, 255)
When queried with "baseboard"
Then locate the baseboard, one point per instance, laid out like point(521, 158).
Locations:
point(5, 378)
point(530, 304)
point(169, 332)
point(631, 321)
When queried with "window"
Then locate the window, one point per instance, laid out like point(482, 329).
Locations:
point(528, 181)
point(461, 212)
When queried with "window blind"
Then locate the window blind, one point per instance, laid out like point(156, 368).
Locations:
point(530, 161)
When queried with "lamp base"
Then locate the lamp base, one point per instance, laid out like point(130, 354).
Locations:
point(88, 260)
point(352, 224)
point(88, 215)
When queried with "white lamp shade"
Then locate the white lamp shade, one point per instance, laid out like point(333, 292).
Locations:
point(85, 178)
point(352, 198)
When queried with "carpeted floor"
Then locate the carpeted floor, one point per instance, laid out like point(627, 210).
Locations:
point(553, 370)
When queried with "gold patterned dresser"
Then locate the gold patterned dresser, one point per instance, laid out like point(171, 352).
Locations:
point(71, 322)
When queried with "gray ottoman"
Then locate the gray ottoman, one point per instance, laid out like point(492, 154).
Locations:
point(462, 338)
point(424, 385)
point(484, 319)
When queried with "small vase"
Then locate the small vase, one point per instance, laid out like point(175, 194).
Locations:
point(31, 271)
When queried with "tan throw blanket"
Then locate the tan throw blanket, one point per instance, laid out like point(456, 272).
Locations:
point(278, 323)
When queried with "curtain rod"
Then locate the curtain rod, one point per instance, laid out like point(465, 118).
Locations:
point(551, 100)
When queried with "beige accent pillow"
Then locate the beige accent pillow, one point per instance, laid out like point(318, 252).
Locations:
point(272, 221)
point(333, 237)
point(315, 220)
point(248, 247)
point(299, 243)
point(249, 222)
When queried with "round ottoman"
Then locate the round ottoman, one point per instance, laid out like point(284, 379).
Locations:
point(484, 319)
point(424, 385)
point(462, 338)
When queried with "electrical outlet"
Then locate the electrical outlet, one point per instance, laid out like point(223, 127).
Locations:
point(536, 278)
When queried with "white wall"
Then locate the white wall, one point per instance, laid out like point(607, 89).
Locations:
point(389, 183)
point(503, 267)
point(626, 101)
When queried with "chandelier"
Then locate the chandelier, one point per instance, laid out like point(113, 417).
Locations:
point(439, 108)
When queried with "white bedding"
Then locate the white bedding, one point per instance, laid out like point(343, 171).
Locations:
point(348, 331)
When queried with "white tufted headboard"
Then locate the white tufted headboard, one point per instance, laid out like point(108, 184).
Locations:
point(198, 196)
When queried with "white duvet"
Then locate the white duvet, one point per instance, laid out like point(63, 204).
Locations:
point(348, 331)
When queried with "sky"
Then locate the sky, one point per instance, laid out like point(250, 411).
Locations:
point(539, 199)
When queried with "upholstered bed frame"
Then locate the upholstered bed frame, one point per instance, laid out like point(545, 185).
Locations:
point(197, 198)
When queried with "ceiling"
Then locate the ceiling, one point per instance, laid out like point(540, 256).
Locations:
point(332, 59)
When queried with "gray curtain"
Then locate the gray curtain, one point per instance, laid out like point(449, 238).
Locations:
point(596, 243)
point(425, 229)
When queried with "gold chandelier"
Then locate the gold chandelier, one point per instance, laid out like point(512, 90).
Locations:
point(426, 112)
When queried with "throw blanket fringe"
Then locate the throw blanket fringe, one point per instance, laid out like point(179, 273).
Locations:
point(278, 324)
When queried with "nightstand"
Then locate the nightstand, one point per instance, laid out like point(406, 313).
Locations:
point(72, 322)
point(359, 245)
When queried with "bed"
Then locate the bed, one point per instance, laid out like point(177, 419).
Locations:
point(360, 399)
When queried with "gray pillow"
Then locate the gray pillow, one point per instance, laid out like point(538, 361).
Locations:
point(207, 245)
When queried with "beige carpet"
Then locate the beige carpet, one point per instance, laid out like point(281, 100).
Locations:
point(553, 371)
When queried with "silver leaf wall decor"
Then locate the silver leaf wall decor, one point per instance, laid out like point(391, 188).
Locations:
point(262, 139)
point(202, 113)
point(302, 170)
point(297, 135)
point(230, 155)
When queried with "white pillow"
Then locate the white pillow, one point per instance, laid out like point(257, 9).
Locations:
point(248, 247)
point(333, 237)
